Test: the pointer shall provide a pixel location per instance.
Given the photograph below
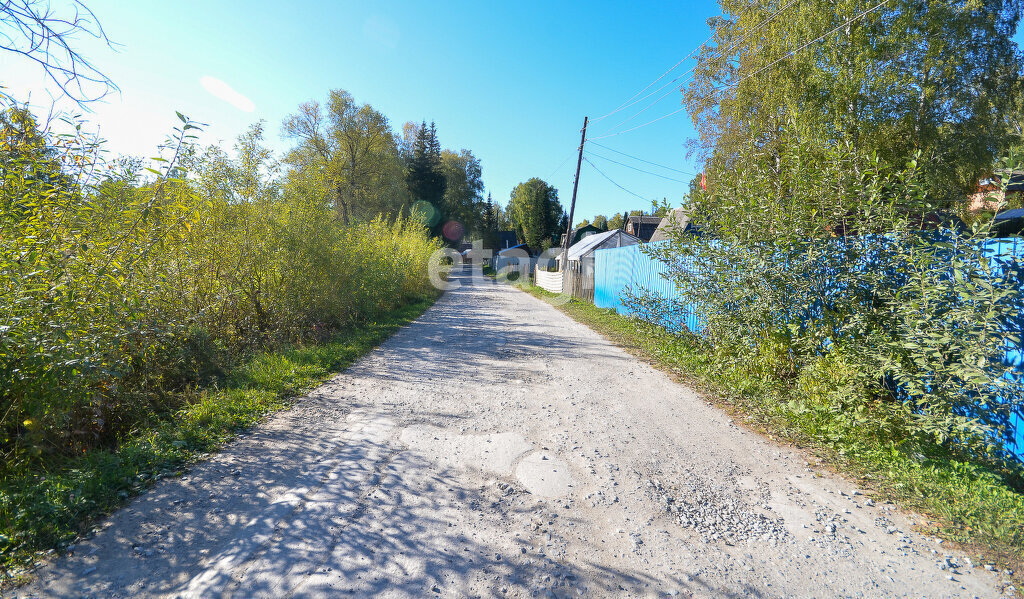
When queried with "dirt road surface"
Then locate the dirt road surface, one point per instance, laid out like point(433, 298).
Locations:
point(496, 448)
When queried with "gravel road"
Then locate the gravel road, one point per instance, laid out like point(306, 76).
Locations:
point(496, 448)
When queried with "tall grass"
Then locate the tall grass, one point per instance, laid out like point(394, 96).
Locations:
point(125, 291)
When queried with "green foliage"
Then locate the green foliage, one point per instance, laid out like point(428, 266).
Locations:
point(123, 297)
point(919, 314)
point(463, 202)
point(535, 213)
point(42, 510)
point(977, 505)
point(893, 78)
point(347, 155)
point(426, 178)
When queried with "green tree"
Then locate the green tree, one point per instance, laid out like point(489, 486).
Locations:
point(425, 177)
point(463, 191)
point(348, 154)
point(617, 222)
point(535, 213)
point(893, 79)
point(601, 222)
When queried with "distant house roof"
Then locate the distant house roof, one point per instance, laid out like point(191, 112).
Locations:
point(580, 233)
point(642, 226)
point(521, 246)
point(506, 239)
point(608, 239)
point(678, 219)
point(994, 183)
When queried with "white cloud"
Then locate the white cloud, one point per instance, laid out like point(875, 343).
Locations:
point(223, 91)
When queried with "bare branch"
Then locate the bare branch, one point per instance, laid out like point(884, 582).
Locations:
point(32, 29)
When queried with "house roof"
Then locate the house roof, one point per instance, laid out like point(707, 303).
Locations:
point(677, 219)
point(642, 225)
point(646, 219)
point(591, 242)
point(1010, 214)
point(521, 246)
point(1016, 182)
point(506, 239)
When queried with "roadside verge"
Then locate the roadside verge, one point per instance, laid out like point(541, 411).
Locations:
point(42, 512)
point(977, 508)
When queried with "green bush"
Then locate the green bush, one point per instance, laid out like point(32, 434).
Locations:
point(852, 286)
point(123, 288)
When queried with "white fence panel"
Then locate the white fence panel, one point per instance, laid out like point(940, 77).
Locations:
point(549, 281)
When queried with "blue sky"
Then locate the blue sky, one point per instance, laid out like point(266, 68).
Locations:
point(509, 81)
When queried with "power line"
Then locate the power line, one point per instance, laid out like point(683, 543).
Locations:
point(691, 70)
point(668, 168)
point(759, 71)
point(613, 182)
point(629, 102)
point(559, 167)
point(634, 168)
point(678, 110)
point(815, 40)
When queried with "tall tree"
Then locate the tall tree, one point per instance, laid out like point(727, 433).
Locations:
point(425, 177)
point(463, 189)
point(891, 79)
point(535, 213)
point(601, 222)
point(348, 152)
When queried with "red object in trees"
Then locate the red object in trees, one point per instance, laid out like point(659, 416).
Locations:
point(703, 182)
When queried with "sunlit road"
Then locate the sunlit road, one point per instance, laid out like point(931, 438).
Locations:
point(497, 448)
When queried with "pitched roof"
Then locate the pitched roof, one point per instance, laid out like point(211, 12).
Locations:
point(677, 219)
point(591, 242)
point(646, 219)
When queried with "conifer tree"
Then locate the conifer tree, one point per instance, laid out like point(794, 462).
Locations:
point(425, 178)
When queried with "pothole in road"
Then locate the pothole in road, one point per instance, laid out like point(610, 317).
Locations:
point(716, 514)
point(542, 473)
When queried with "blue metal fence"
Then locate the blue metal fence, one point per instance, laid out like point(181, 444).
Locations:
point(628, 271)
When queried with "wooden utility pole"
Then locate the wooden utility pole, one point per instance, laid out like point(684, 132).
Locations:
point(572, 208)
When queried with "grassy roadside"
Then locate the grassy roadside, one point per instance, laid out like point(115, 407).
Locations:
point(41, 512)
point(979, 508)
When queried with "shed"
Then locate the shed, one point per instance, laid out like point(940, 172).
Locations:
point(580, 267)
point(1008, 222)
point(586, 247)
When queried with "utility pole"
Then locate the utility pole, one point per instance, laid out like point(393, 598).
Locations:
point(572, 208)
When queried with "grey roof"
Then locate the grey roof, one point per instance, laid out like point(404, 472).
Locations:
point(677, 218)
point(644, 218)
point(591, 242)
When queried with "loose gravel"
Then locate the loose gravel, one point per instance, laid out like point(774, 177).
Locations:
point(496, 448)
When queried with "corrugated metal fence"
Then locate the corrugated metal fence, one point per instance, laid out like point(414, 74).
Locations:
point(619, 272)
point(628, 271)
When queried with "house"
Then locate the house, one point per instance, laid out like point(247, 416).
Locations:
point(518, 258)
point(580, 233)
point(989, 192)
point(677, 220)
point(642, 226)
point(506, 239)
